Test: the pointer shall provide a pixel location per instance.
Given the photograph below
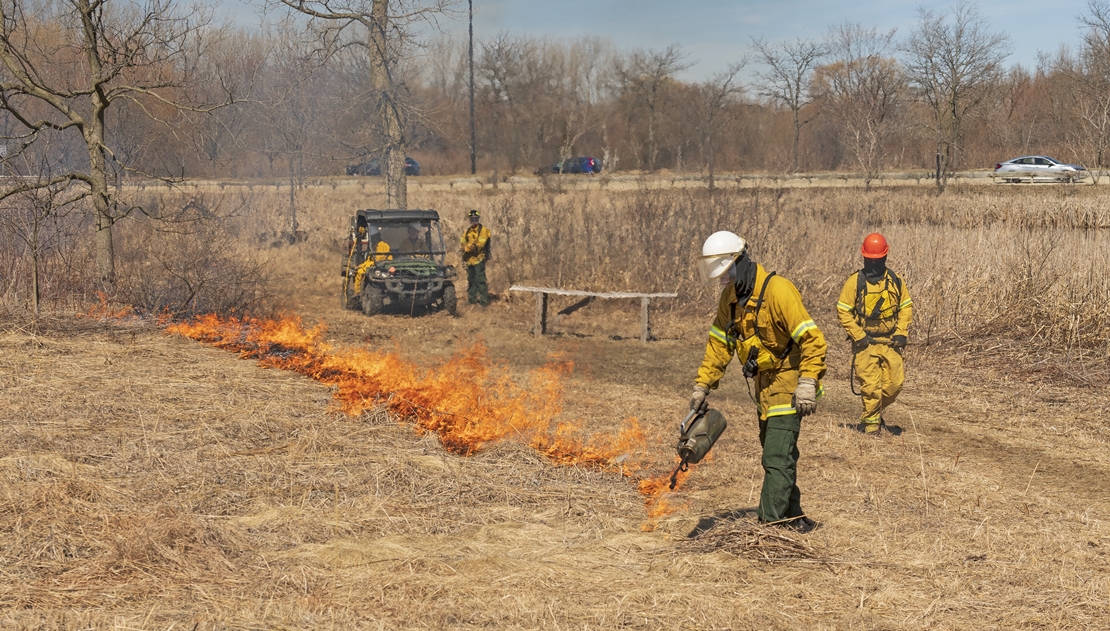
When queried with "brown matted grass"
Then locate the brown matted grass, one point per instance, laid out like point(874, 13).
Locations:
point(151, 482)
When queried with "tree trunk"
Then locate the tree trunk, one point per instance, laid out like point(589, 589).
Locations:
point(710, 163)
point(292, 199)
point(35, 267)
point(94, 141)
point(797, 137)
point(102, 207)
point(389, 110)
point(651, 132)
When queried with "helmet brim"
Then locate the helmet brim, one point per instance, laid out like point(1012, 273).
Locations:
point(712, 268)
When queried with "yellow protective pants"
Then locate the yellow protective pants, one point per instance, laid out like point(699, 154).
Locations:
point(880, 374)
point(360, 272)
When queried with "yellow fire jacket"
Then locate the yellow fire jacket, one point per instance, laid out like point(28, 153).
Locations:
point(382, 256)
point(474, 242)
point(881, 310)
point(785, 341)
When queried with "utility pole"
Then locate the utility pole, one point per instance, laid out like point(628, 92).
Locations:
point(473, 144)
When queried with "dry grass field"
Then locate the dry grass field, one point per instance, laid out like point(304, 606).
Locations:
point(322, 479)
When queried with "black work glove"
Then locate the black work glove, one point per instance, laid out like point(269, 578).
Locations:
point(898, 342)
point(862, 343)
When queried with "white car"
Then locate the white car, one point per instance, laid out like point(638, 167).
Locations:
point(1038, 168)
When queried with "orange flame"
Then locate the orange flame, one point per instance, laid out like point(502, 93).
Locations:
point(104, 311)
point(468, 401)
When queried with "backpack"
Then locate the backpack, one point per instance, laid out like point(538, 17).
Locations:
point(861, 291)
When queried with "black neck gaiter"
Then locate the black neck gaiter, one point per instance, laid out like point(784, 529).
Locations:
point(874, 269)
point(744, 269)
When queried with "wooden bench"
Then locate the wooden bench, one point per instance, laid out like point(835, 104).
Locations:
point(540, 326)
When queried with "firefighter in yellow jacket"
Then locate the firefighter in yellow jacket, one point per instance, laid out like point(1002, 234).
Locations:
point(875, 309)
point(371, 242)
point(761, 319)
point(476, 245)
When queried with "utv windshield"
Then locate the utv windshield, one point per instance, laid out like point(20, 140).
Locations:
point(419, 239)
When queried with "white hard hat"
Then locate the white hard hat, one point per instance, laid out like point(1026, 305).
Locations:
point(718, 253)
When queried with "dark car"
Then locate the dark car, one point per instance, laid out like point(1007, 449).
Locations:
point(578, 164)
point(373, 166)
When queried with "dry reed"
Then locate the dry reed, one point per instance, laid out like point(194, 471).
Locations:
point(997, 262)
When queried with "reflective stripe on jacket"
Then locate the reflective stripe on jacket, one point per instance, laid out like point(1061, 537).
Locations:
point(474, 244)
point(892, 317)
point(784, 329)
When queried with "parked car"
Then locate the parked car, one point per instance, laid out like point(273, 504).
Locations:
point(373, 166)
point(578, 164)
point(1039, 168)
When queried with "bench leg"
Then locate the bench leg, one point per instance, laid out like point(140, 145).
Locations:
point(539, 327)
point(645, 320)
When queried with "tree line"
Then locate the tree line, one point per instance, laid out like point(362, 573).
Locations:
point(304, 98)
point(95, 94)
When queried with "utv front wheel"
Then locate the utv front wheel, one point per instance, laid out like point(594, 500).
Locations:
point(372, 300)
point(349, 300)
point(450, 302)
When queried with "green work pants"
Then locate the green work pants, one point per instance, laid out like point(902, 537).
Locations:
point(780, 498)
point(477, 291)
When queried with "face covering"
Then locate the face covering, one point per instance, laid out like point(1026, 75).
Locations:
point(874, 269)
point(743, 277)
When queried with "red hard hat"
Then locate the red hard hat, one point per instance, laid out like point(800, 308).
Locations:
point(874, 246)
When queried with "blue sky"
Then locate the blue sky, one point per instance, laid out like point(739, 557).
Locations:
point(715, 33)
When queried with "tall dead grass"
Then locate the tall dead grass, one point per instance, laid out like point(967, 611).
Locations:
point(985, 264)
point(194, 253)
point(1022, 267)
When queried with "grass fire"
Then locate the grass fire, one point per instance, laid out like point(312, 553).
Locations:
point(467, 401)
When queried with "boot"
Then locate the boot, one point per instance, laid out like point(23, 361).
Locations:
point(803, 525)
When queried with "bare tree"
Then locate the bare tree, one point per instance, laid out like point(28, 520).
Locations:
point(518, 85)
point(862, 89)
point(65, 64)
point(712, 117)
point(643, 77)
point(289, 110)
point(952, 66)
point(382, 29)
point(584, 78)
point(218, 135)
point(1086, 93)
point(787, 79)
point(38, 218)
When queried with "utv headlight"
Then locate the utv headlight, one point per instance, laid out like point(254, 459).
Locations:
point(380, 273)
point(449, 272)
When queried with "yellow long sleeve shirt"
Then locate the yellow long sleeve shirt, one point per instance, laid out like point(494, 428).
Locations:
point(473, 243)
point(884, 309)
point(787, 340)
point(382, 255)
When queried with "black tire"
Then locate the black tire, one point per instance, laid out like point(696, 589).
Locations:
point(450, 300)
point(372, 300)
point(348, 299)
